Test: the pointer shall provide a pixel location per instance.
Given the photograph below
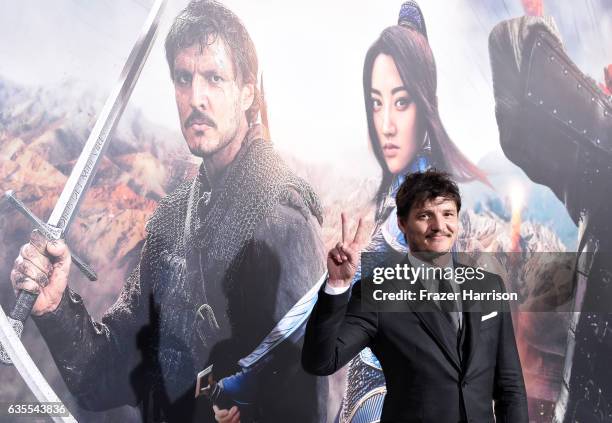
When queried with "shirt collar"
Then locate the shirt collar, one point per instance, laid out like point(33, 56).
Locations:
point(416, 262)
point(208, 184)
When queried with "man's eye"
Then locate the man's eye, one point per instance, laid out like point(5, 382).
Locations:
point(183, 78)
point(215, 79)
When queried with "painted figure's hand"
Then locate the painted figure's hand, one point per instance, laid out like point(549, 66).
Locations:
point(343, 259)
point(227, 416)
point(42, 267)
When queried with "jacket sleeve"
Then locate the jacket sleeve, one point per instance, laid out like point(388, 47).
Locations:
point(282, 262)
point(509, 388)
point(97, 360)
point(336, 331)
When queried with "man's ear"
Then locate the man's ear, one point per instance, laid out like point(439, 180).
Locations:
point(247, 96)
point(401, 224)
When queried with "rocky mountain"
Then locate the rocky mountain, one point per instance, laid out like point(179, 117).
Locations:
point(42, 131)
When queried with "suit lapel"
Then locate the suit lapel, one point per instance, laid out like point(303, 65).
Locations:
point(438, 326)
point(472, 333)
point(439, 329)
point(471, 318)
point(442, 331)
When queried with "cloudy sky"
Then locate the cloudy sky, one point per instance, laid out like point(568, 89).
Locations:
point(311, 54)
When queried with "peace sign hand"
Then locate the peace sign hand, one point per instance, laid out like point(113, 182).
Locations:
point(343, 259)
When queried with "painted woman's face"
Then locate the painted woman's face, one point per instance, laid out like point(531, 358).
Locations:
point(395, 115)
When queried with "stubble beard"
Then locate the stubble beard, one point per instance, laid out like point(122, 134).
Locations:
point(201, 151)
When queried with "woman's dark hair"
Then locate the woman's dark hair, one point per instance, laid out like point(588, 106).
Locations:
point(416, 66)
point(420, 187)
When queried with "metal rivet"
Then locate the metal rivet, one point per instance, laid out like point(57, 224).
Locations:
point(598, 141)
point(579, 86)
point(529, 94)
point(539, 43)
point(584, 131)
point(554, 111)
point(564, 71)
point(596, 170)
point(592, 98)
point(570, 121)
point(541, 102)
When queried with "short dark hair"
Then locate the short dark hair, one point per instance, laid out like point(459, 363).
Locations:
point(419, 187)
point(201, 22)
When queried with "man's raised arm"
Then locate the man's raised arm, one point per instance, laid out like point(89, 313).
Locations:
point(337, 328)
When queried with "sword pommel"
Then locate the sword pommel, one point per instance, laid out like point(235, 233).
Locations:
point(205, 382)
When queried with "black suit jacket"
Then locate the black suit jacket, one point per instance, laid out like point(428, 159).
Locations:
point(428, 378)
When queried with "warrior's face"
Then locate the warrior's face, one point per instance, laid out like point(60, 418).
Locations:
point(394, 115)
point(211, 99)
point(432, 226)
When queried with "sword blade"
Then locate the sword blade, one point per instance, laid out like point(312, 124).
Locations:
point(26, 367)
point(80, 178)
point(291, 321)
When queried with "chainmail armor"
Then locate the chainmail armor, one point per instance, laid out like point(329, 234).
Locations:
point(196, 240)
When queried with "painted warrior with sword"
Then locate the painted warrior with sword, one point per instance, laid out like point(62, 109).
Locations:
point(231, 258)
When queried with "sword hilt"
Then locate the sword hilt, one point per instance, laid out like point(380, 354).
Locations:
point(49, 232)
point(18, 328)
point(17, 317)
point(25, 299)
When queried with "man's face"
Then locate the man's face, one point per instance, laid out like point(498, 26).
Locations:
point(431, 227)
point(211, 101)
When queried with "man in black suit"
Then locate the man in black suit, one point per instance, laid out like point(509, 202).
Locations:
point(441, 364)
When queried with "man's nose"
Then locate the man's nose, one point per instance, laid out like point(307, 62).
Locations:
point(199, 93)
point(388, 122)
point(435, 223)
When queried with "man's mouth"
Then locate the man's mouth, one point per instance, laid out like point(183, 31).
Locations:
point(199, 122)
point(439, 236)
point(199, 126)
